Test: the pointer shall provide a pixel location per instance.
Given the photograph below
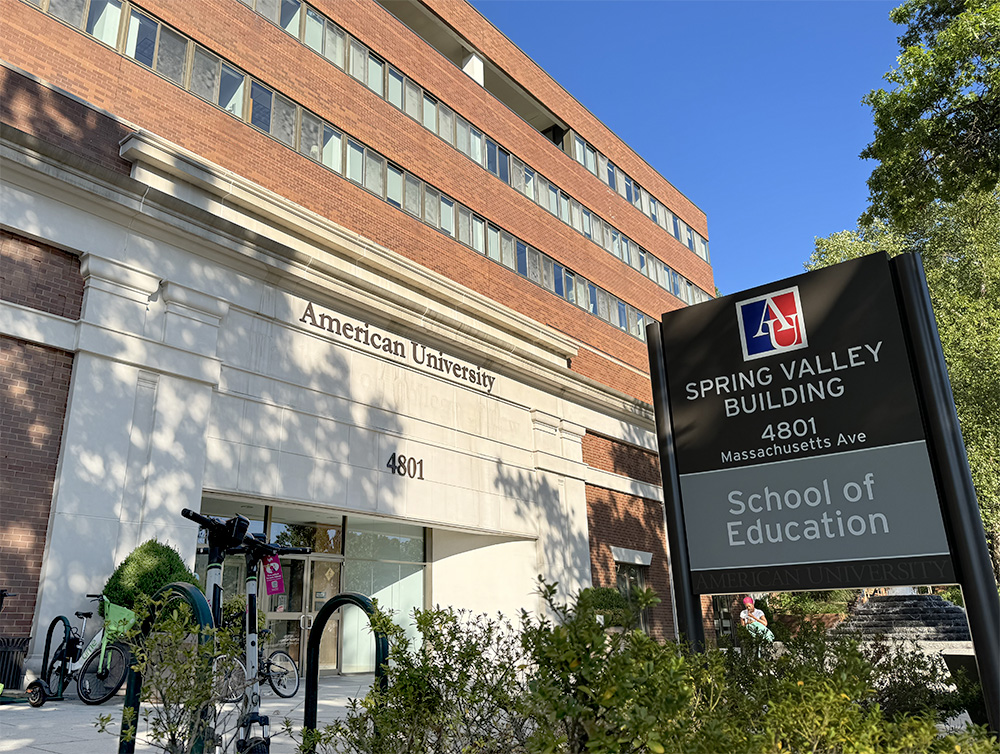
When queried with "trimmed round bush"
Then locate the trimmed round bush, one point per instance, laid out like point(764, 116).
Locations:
point(147, 569)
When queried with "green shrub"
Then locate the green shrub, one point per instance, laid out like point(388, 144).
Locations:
point(610, 603)
point(146, 570)
point(561, 684)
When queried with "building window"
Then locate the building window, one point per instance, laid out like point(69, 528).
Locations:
point(628, 578)
point(333, 49)
point(375, 80)
point(313, 34)
point(430, 114)
point(395, 88)
point(447, 215)
point(289, 20)
point(332, 149)
point(355, 161)
point(394, 186)
point(103, 20)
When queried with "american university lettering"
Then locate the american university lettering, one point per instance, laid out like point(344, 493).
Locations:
point(417, 354)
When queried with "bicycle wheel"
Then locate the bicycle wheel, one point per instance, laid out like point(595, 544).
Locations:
point(231, 679)
point(282, 674)
point(98, 683)
point(54, 670)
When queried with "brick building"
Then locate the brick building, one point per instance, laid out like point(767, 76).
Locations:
point(360, 271)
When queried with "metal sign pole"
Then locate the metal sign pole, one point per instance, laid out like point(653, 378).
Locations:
point(959, 505)
point(688, 608)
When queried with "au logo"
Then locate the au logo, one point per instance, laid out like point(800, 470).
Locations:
point(771, 324)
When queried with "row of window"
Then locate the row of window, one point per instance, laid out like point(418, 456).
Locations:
point(329, 40)
point(183, 61)
point(641, 199)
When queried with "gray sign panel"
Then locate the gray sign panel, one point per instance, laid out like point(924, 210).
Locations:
point(878, 503)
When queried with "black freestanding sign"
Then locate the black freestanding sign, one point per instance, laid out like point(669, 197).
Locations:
point(799, 444)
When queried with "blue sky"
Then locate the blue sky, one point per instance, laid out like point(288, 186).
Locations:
point(750, 108)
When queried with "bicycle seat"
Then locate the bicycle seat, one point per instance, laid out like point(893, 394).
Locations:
point(81, 616)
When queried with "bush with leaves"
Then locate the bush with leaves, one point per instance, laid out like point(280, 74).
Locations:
point(146, 570)
point(184, 701)
point(561, 684)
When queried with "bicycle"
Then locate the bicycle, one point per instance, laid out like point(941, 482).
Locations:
point(231, 537)
point(278, 669)
point(101, 674)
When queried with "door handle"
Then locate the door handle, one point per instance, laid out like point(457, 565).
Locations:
point(305, 621)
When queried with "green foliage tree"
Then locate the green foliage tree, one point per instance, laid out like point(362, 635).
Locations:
point(936, 191)
point(146, 570)
point(937, 131)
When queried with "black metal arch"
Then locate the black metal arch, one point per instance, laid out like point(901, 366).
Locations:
point(133, 685)
point(312, 649)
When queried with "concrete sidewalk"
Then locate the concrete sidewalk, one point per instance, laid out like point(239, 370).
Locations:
point(67, 727)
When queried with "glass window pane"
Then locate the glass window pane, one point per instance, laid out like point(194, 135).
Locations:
point(564, 208)
point(447, 215)
point(570, 283)
point(462, 131)
point(140, 43)
point(431, 206)
point(587, 225)
point(522, 259)
point(333, 50)
point(622, 315)
point(412, 200)
point(70, 11)
point(534, 265)
point(411, 100)
point(478, 234)
point(578, 152)
point(507, 250)
point(205, 74)
point(611, 175)
point(493, 243)
point(359, 61)
point(553, 200)
point(260, 106)
point(311, 136)
point(581, 292)
point(375, 81)
point(577, 216)
point(503, 163)
point(558, 279)
point(591, 159)
point(547, 274)
point(396, 88)
point(171, 54)
point(465, 226)
point(313, 36)
point(529, 182)
point(103, 19)
point(446, 124)
point(491, 156)
point(355, 161)
point(289, 21)
point(283, 122)
point(268, 9)
point(603, 305)
point(430, 114)
point(332, 150)
point(374, 167)
point(592, 299)
point(476, 145)
point(231, 91)
point(394, 186)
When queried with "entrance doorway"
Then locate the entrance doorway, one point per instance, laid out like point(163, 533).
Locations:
point(309, 582)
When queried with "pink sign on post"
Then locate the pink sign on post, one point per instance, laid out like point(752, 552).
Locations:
point(272, 575)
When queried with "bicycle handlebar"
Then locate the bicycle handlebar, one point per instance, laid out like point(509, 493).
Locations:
point(204, 521)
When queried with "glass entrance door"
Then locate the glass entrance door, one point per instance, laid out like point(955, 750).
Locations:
point(309, 582)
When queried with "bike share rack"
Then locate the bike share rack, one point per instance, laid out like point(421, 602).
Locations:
point(312, 652)
point(39, 685)
point(133, 684)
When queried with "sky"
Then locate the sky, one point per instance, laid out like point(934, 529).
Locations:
point(750, 108)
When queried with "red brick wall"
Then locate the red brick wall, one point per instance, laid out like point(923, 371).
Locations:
point(34, 386)
point(603, 453)
point(83, 66)
point(637, 524)
point(39, 276)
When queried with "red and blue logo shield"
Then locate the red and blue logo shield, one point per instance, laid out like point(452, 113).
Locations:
point(771, 324)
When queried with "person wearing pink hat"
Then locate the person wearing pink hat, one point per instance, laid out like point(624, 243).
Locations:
point(754, 619)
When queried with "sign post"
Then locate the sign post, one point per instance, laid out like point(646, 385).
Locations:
point(804, 451)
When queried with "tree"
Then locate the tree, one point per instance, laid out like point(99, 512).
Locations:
point(960, 245)
point(937, 132)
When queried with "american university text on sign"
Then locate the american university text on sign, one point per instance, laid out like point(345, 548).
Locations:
point(797, 431)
